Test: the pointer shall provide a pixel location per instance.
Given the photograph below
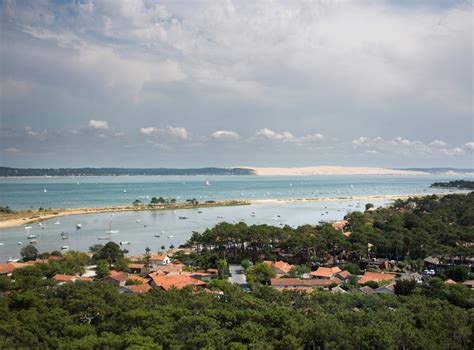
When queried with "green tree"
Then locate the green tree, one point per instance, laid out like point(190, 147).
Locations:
point(405, 287)
point(102, 269)
point(222, 269)
point(29, 253)
point(260, 273)
point(111, 252)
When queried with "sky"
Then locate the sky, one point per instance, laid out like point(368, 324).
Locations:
point(142, 83)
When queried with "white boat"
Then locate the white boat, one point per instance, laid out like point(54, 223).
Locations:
point(45, 190)
point(64, 235)
point(78, 226)
point(125, 243)
point(57, 223)
point(31, 236)
point(33, 241)
point(113, 232)
point(1, 243)
point(64, 247)
point(28, 227)
point(208, 183)
point(170, 236)
point(137, 221)
point(124, 191)
point(20, 243)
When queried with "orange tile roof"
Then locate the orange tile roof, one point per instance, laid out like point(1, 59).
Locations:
point(347, 233)
point(326, 272)
point(6, 268)
point(118, 276)
point(139, 288)
point(137, 278)
point(86, 279)
point(450, 281)
point(344, 274)
point(376, 277)
point(280, 265)
point(469, 283)
point(298, 282)
point(159, 257)
point(136, 266)
point(339, 225)
point(64, 278)
point(176, 281)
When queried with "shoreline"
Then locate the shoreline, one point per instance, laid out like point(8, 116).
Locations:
point(28, 217)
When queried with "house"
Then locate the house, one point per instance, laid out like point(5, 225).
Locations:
point(366, 290)
point(203, 276)
point(376, 277)
point(136, 268)
point(389, 289)
point(338, 290)
point(159, 260)
point(174, 281)
point(6, 269)
point(411, 276)
point(343, 275)
point(450, 281)
point(339, 225)
point(291, 283)
point(85, 279)
point(117, 279)
point(469, 283)
point(325, 272)
point(136, 289)
point(280, 267)
point(438, 264)
point(61, 279)
point(138, 279)
point(167, 269)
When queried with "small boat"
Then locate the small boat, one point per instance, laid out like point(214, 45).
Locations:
point(64, 235)
point(33, 241)
point(208, 183)
point(57, 223)
point(113, 232)
point(10, 259)
point(45, 190)
point(137, 221)
point(199, 211)
point(220, 217)
point(31, 236)
point(183, 217)
point(157, 236)
point(64, 247)
point(124, 191)
point(28, 227)
point(253, 215)
point(1, 243)
point(170, 236)
point(20, 243)
point(103, 238)
point(78, 226)
point(125, 243)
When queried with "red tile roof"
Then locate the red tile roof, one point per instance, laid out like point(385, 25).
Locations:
point(297, 282)
point(64, 278)
point(159, 257)
point(86, 279)
point(136, 266)
point(376, 277)
point(176, 281)
point(344, 274)
point(280, 265)
point(118, 276)
point(6, 268)
point(139, 288)
point(326, 272)
point(137, 278)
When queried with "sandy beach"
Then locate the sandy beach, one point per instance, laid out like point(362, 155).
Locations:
point(329, 170)
point(27, 217)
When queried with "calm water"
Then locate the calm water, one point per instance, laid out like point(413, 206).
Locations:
point(102, 191)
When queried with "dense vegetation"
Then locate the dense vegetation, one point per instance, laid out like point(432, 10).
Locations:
point(458, 184)
point(96, 316)
point(410, 230)
point(5, 171)
point(35, 313)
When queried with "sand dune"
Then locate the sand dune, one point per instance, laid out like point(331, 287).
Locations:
point(330, 170)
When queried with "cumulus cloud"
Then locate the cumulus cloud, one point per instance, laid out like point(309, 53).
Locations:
point(288, 137)
point(404, 146)
point(40, 135)
point(177, 132)
point(148, 130)
point(225, 135)
point(98, 124)
point(469, 146)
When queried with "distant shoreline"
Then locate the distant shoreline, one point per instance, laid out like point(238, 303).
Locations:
point(19, 218)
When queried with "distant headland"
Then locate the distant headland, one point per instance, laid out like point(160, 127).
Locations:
point(239, 170)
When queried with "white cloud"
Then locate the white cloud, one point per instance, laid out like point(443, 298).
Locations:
point(40, 135)
point(438, 143)
point(225, 135)
point(98, 124)
point(119, 133)
point(177, 132)
point(272, 135)
point(406, 147)
point(148, 130)
point(12, 150)
point(469, 146)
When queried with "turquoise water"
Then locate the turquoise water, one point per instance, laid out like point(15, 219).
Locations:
point(69, 192)
point(140, 228)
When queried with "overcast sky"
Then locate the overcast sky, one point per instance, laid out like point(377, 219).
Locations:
point(226, 83)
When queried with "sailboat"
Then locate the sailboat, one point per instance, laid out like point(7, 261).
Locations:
point(110, 231)
point(208, 183)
